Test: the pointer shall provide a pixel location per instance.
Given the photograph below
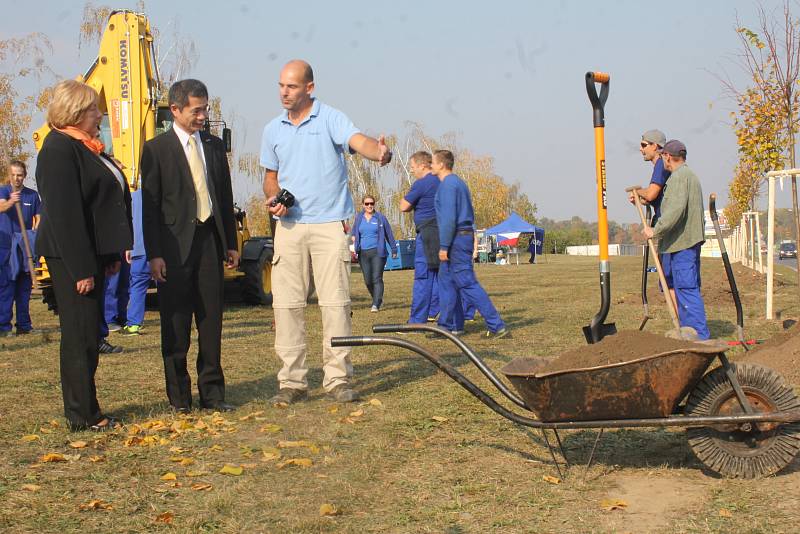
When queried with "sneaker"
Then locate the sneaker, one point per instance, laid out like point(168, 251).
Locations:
point(107, 348)
point(503, 332)
point(457, 332)
point(287, 396)
point(343, 393)
point(131, 330)
point(374, 309)
point(433, 319)
point(114, 327)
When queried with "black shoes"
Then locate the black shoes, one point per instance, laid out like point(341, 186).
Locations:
point(218, 406)
point(107, 348)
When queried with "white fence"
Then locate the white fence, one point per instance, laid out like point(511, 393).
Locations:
point(613, 250)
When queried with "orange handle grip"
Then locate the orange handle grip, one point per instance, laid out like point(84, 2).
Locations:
point(601, 77)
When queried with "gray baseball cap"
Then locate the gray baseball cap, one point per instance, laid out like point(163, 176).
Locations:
point(655, 136)
point(675, 148)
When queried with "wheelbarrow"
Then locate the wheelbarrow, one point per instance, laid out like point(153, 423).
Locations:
point(743, 420)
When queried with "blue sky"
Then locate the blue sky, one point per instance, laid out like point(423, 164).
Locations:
point(506, 76)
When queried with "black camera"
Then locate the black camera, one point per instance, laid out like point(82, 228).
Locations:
point(283, 197)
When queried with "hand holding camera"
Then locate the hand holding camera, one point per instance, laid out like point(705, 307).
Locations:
point(279, 204)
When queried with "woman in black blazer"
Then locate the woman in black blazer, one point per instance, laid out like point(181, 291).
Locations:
point(85, 229)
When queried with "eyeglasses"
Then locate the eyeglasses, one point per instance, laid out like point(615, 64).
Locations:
point(369, 203)
point(645, 145)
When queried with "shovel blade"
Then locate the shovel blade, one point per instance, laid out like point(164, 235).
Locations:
point(595, 334)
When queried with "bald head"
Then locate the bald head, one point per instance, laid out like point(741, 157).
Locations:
point(301, 69)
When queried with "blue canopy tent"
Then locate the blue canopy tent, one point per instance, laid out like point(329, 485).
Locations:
point(513, 227)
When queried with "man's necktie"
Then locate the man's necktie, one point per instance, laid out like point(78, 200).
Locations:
point(199, 178)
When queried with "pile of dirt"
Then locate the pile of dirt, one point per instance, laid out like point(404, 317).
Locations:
point(624, 346)
point(781, 353)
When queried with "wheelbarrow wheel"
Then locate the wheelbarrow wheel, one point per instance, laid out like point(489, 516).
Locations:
point(751, 450)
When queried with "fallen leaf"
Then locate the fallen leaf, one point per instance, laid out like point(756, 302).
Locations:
point(375, 402)
point(440, 419)
point(164, 517)
point(551, 480)
point(357, 413)
point(95, 459)
point(29, 437)
point(54, 423)
point(300, 462)
point(31, 487)
point(95, 504)
point(183, 460)
point(78, 444)
point(333, 409)
point(52, 457)
point(294, 444)
point(216, 448)
point(249, 466)
point(72, 457)
point(178, 450)
point(270, 428)
point(251, 416)
point(201, 486)
point(347, 420)
point(613, 504)
point(44, 430)
point(169, 476)
point(200, 425)
point(132, 441)
point(328, 510)
point(268, 454)
point(234, 470)
point(196, 473)
point(723, 512)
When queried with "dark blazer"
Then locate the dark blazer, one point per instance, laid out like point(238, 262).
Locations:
point(169, 210)
point(85, 213)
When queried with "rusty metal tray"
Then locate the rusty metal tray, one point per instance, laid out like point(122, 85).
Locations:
point(651, 386)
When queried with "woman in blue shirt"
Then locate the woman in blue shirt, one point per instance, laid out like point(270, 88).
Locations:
point(371, 232)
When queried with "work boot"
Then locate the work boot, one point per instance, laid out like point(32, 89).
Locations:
point(343, 393)
point(287, 396)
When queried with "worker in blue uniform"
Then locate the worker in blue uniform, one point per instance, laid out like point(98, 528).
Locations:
point(17, 281)
point(139, 272)
point(420, 198)
point(456, 218)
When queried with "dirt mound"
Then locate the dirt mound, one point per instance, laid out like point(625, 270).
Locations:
point(781, 353)
point(625, 346)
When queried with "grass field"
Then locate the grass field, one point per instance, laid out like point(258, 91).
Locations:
point(417, 455)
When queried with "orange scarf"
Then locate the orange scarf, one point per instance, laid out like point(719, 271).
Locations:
point(93, 144)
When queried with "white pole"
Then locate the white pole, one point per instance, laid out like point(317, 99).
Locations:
point(770, 244)
point(758, 244)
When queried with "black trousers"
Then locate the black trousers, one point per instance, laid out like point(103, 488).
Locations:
point(79, 317)
point(193, 289)
point(372, 266)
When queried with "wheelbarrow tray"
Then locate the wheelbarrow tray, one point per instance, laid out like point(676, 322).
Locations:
point(647, 387)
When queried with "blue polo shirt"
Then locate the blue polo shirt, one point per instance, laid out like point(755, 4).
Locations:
point(368, 233)
point(660, 177)
point(453, 209)
point(30, 203)
point(309, 159)
point(421, 196)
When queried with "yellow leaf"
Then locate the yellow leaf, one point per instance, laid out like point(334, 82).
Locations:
point(294, 444)
point(229, 469)
point(44, 430)
point(196, 473)
point(270, 428)
point(29, 437)
point(169, 476)
point(375, 402)
point(613, 504)
point(269, 454)
point(52, 457)
point(201, 486)
point(31, 487)
point(200, 425)
point(78, 444)
point(300, 462)
point(251, 416)
point(328, 510)
point(216, 448)
point(178, 450)
point(333, 409)
point(440, 419)
point(98, 458)
point(95, 504)
point(551, 480)
point(357, 413)
point(164, 517)
point(723, 512)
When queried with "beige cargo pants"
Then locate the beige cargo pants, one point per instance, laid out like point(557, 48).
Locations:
point(301, 249)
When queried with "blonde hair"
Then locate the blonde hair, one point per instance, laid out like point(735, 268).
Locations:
point(71, 100)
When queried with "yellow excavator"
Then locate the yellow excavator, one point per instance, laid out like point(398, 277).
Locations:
point(131, 97)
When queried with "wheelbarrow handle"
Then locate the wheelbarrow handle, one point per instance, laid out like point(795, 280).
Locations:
point(598, 100)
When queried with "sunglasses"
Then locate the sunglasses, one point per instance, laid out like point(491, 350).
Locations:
point(645, 145)
point(369, 203)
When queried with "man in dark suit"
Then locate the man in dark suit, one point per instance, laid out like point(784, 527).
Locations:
point(189, 230)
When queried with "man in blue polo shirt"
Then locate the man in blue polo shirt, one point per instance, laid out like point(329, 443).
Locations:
point(303, 151)
point(420, 198)
point(456, 220)
point(17, 288)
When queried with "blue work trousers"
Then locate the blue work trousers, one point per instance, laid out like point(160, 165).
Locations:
point(116, 295)
point(457, 278)
point(137, 291)
point(425, 292)
point(682, 271)
point(15, 293)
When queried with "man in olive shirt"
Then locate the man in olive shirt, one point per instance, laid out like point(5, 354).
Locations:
point(680, 234)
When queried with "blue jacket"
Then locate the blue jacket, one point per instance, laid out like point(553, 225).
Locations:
point(383, 236)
